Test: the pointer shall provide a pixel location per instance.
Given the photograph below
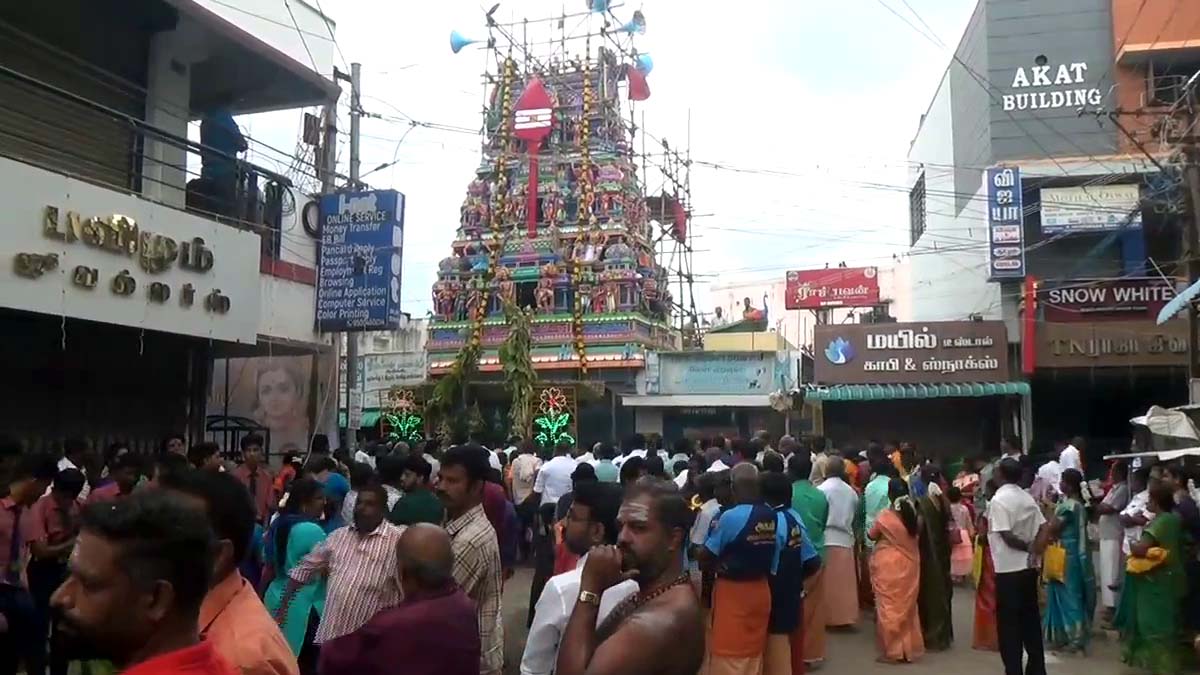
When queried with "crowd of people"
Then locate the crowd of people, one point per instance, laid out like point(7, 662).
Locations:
point(723, 556)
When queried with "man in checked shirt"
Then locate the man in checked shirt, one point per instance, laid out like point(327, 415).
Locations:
point(464, 468)
point(359, 561)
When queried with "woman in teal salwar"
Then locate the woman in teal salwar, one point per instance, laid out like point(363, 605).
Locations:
point(292, 535)
point(1070, 603)
point(1149, 612)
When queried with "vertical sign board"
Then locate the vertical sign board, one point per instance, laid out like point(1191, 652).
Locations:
point(1006, 223)
point(358, 276)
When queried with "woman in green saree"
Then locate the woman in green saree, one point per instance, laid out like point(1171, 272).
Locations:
point(1071, 603)
point(937, 527)
point(1148, 616)
point(292, 536)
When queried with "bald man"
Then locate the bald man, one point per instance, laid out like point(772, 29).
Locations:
point(743, 552)
point(434, 631)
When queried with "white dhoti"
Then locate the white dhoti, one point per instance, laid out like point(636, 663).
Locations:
point(1112, 562)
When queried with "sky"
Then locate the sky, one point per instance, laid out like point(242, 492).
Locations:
point(824, 96)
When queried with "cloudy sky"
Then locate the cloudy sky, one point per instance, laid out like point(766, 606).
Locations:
point(808, 100)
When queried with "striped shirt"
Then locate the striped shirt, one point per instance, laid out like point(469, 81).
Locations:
point(363, 577)
point(477, 571)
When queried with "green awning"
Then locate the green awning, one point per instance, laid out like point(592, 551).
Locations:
point(890, 392)
point(369, 418)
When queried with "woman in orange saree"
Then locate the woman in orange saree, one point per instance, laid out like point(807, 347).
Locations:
point(985, 636)
point(895, 569)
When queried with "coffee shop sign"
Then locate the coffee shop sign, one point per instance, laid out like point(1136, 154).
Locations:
point(1063, 78)
point(911, 339)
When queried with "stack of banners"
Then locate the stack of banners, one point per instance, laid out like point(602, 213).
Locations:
point(1006, 223)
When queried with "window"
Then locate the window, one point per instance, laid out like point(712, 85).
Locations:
point(526, 296)
point(916, 210)
point(1166, 82)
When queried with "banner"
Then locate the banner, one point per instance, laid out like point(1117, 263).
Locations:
point(911, 353)
point(273, 391)
point(358, 273)
point(1006, 223)
point(837, 287)
point(721, 373)
point(1094, 208)
point(1124, 299)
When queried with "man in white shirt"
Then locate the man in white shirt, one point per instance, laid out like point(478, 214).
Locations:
point(362, 456)
point(1136, 515)
point(588, 457)
point(591, 521)
point(1014, 522)
point(841, 577)
point(709, 509)
point(1072, 456)
point(634, 447)
point(75, 457)
point(554, 478)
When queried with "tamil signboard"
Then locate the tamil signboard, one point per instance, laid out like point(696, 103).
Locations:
point(358, 274)
point(1006, 223)
point(1120, 299)
point(837, 287)
point(1112, 344)
point(76, 250)
point(379, 373)
point(721, 373)
point(911, 353)
point(1092, 208)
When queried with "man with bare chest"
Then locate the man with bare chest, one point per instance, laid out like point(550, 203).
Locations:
point(657, 630)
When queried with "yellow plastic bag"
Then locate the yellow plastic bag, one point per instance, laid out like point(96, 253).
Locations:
point(1155, 557)
point(1054, 564)
point(977, 563)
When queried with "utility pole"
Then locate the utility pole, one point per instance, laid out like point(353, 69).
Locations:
point(327, 170)
point(1191, 252)
point(355, 161)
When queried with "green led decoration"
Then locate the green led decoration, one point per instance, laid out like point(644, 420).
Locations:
point(405, 426)
point(403, 421)
point(553, 419)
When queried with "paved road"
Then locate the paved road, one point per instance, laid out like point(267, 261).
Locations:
point(855, 652)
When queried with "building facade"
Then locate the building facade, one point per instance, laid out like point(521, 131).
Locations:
point(1041, 91)
point(795, 325)
point(138, 255)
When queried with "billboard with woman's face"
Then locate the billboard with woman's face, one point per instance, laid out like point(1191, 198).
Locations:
point(273, 391)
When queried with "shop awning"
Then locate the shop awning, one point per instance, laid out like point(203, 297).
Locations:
point(697, 401)
point(369, 418)
point(888, 392)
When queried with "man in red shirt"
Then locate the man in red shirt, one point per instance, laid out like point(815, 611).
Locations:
point(137, 576)
point(232, 617)
point(434, 631)
point(256, 476)
point(18, 619)
point(124, 471)
point(53, 524)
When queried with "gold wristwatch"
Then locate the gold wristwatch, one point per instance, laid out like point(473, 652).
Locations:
point(589, 598)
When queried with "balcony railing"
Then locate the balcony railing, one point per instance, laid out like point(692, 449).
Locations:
point(59, 130)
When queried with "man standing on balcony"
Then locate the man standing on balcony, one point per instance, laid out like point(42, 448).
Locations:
point(219, 132)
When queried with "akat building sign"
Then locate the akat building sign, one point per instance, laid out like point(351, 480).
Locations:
point(1044, 87)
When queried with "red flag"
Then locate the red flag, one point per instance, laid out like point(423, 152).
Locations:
point(639, 89)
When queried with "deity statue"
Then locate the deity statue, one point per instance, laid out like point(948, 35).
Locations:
point(460, 305)
point(507, 287)
point(544, 296)
point(444, 295)
point(475, 302)
point(600, 299)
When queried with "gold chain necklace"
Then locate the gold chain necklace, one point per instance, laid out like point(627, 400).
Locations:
point(633, 603)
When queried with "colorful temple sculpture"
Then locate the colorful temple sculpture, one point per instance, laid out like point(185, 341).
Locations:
point(556, 222)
